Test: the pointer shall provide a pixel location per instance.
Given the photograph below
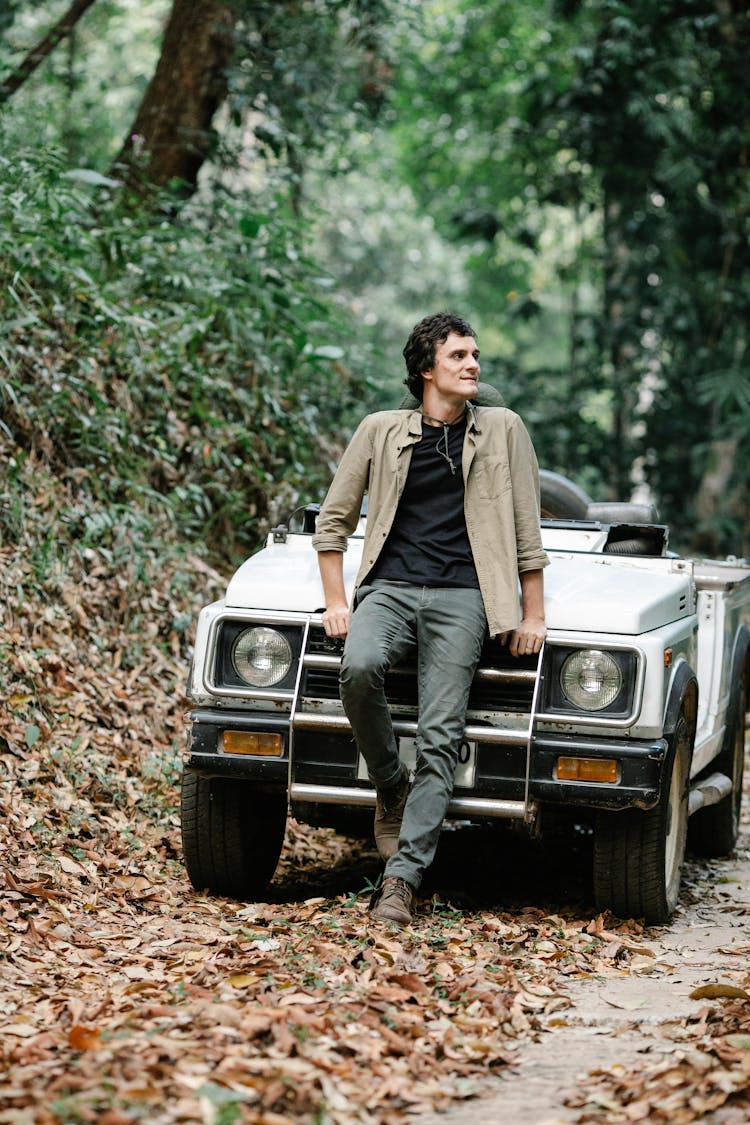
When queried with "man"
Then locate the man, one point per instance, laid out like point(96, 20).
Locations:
point(452, 525)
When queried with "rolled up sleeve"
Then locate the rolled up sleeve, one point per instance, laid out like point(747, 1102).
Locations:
point(340, 512)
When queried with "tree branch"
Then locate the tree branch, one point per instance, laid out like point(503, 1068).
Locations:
point(45, 47)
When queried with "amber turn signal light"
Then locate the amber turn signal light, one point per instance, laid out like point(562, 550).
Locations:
point(253, 742)
point(588, 769)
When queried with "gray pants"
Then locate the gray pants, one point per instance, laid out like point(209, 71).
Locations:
point(446, 628)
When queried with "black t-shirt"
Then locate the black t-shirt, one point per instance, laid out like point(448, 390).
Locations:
point(428, 544)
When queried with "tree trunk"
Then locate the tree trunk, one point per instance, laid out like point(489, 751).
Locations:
point(38, 54)
point(171, 135)
point(618, 351)
point(722, 494)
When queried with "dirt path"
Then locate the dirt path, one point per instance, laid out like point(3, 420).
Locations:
point(635, 1016)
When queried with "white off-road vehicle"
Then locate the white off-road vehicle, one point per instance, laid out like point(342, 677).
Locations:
point(631, 720)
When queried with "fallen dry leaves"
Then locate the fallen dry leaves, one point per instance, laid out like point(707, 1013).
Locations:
point(128, 997)
point(707, 1069)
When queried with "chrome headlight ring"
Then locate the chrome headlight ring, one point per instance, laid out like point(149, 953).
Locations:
point(262, 656)
point(591, 679)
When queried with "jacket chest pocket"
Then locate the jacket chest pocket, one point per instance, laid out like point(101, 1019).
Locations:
point(492, 477)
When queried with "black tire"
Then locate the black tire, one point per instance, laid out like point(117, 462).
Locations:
point(561, 498)
point(638, 854)
point(714, 830)
point(232, 835)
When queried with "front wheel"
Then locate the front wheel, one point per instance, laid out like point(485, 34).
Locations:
point(638, 854)
point(232, 835)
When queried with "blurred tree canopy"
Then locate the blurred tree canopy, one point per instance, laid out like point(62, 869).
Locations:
point(594, 155)
point(170, 350)
point(571, 173)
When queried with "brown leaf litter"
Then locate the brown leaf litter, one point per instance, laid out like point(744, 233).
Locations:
point(127, 997)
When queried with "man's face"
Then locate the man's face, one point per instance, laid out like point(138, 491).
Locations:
point(455, 373)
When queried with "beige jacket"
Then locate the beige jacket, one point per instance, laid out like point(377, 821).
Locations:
point(501, 499)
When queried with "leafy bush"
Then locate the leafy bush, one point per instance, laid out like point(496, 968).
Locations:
point(180, 370)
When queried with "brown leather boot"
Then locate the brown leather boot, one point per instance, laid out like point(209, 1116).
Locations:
point(389, 812)
point(392, 901)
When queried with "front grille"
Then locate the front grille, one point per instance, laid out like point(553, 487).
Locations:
point(320, 683)
point(318, 644)
point(486, 696)
point(490, 691)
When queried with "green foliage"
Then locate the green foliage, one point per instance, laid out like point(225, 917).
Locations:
point(84, 95)
point(306, 72)
point(593, 158)
point(302, 74)
point(177, 372)
point(572, 175)
point(526, 268)
point(660, 105)
point(391, 265)
point(8, 14)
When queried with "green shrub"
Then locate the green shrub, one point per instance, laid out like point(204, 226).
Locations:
point(180, 369)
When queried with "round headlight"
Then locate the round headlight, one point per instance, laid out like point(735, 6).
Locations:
point(262, 657)
point(591, 679)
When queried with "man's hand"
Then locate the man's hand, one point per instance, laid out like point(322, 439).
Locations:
point(336, 620)
point(527, 638)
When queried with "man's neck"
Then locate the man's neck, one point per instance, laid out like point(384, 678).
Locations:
point(442, 412)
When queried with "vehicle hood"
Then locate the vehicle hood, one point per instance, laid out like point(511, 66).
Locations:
point(583, 593)
point(285, 576)
point(599, 593)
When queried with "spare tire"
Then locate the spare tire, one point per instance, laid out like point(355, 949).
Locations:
point(561, 498)
point(631, 547)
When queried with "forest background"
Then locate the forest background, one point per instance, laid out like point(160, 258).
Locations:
point(218, 223)
point(208, 277)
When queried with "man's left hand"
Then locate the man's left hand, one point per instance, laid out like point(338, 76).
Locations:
point(527, 639)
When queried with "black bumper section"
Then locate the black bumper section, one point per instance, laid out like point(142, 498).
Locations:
point(500, 771)
point(641, 771)
point(205, 756)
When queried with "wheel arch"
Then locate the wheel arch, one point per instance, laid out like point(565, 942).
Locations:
point(715, 828)
point(740, 665)
point(682, 698)
point(739, 671)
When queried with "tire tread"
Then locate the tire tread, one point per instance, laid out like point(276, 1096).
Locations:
point(629, 856)
point(231, 835)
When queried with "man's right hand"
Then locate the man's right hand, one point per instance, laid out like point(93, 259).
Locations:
point(336, 620)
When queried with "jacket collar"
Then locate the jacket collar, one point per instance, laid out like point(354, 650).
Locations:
point(472, 422)
point(414, 423)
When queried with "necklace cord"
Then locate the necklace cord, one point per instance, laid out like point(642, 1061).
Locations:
point(444, 453)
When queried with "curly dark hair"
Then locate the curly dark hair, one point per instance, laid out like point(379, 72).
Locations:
point(419, 350)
